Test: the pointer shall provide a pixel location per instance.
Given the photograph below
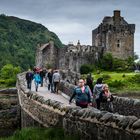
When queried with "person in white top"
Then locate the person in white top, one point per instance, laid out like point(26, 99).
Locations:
point(56, 81)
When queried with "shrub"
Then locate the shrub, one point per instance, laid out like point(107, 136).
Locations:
point(135, 79)
point(86, 68)
point(8, 75)
point(117, 84)
point(106, 76)
point(10, 82)
point(123, 75)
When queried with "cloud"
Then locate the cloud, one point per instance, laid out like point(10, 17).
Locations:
point(73, 20)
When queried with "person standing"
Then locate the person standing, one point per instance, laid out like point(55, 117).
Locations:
point(29, 78)
point(97, 92)
point(82, 95)
point(49, 76)
point(108, 98)
point(37, 80)
point(56, 81)
point(89, 82)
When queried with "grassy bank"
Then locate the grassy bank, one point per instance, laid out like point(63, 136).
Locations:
point(40, 134)
point(121, 83)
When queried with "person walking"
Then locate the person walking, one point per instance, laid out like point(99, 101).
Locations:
point(29, 78)
point(50, 84)
point(81, 94)
point(89, 82)
point(97, 92)
point(42, 75)
point(37, 80)
point(56, 81)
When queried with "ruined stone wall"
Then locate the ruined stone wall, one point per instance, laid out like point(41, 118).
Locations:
point(9, 112)
point(70, 76)
point(65, 57)
point(47, 55)
point(73, 60)
point(87, 123)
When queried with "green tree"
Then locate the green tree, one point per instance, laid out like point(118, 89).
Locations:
point(8, 73)
point(18, 41)
point(86, 68)
point(107, 62)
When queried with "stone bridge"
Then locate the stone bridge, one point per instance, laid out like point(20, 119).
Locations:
point(49, 110)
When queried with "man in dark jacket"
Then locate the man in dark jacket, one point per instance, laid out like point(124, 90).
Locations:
point(29, 78)
point(82, 94)
point(42, 75)
point(89, 82)
point(50, 85)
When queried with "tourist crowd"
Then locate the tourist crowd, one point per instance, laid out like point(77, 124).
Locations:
point(87, 92)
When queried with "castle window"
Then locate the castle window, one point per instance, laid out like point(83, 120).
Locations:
point(118, 43)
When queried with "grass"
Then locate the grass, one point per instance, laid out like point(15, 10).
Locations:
point(114, 75)
point(120, 83)
point(40, 134)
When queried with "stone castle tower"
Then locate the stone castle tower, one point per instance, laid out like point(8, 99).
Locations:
point(115, 35)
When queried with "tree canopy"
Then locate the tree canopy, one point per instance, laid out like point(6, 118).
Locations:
point(19, 39)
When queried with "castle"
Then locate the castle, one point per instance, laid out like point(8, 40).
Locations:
point(114, 35)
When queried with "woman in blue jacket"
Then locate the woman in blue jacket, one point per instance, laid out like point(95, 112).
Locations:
point(82, 95)
point(37, 80)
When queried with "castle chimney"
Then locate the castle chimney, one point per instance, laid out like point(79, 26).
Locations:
point(117, 13)
point(117, 16)
point(78, 43)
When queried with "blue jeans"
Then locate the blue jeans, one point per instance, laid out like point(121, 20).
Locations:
point(36, 85)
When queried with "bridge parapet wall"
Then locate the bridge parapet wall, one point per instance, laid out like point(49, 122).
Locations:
point(46, 112)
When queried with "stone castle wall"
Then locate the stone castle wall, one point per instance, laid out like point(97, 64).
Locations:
point(68, 57)
point(73, 60)
point(115, 35)
point(88, 123)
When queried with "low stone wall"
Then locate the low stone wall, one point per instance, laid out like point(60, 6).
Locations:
point(9, 112)
point(87, 123)
point(127, 106)
point(100, 125)
point(122, 105)
point(47, 113)
point(66, 88)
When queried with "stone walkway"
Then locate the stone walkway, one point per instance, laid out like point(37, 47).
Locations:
point(43, 91)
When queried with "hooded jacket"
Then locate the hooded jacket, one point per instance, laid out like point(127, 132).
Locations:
point(98, 89)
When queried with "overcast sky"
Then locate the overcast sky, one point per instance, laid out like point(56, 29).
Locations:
point(73, 20)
